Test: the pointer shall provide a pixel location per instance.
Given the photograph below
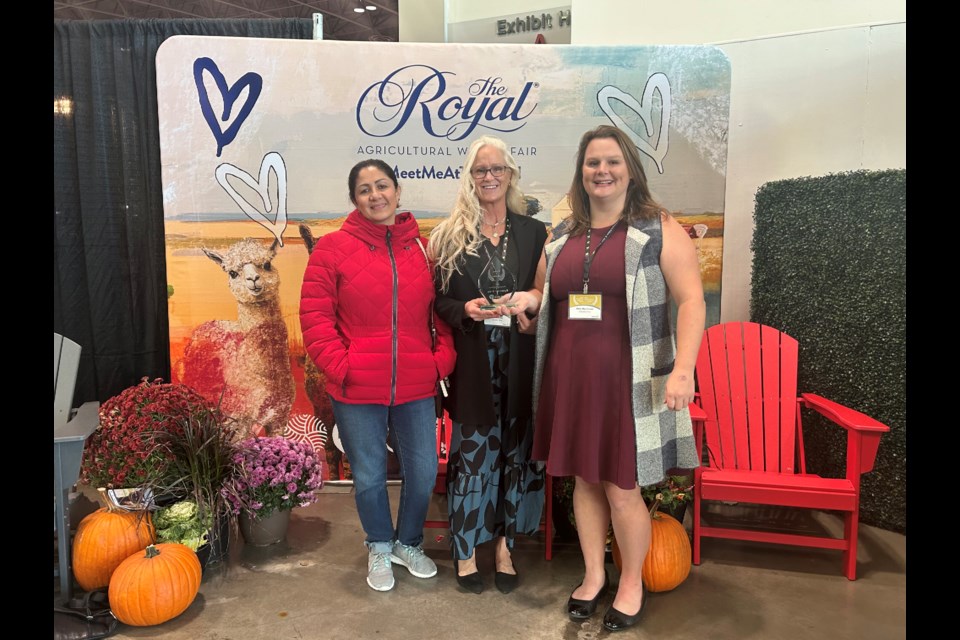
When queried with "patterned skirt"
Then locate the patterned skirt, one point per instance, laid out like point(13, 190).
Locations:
point(493, 489)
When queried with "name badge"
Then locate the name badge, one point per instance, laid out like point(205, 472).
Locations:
point(500, 321)
point(585, 306)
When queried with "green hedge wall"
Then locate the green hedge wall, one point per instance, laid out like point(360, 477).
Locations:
point(829, 268)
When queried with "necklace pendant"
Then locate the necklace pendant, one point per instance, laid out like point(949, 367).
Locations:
point(496, 235)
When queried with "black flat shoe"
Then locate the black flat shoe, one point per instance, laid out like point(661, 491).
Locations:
point(615, 620)
point(583, 609)
point(505, 582)
point(471, 582)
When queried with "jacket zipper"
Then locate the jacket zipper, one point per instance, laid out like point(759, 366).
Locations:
point(393, 373)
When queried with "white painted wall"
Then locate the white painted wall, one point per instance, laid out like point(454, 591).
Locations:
point(818, 87)
point(715, 21)
point(466, 10)
point(806, 105)
point(683, 21)
point(813, 91)
point(421, 20)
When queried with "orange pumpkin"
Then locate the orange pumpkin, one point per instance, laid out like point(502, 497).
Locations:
point(155, 585)
point(668, 560)
point(104, 539)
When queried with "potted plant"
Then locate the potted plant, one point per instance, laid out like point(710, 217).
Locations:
point(275, 474)
point(674, 492)
point(120, 453)
point(200, 468)
point(161, 443)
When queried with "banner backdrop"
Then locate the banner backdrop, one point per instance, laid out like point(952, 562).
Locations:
point(257, 137)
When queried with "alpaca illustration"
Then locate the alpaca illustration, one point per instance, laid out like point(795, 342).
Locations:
point(245, 364)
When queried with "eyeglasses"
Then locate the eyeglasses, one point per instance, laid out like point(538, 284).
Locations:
point(496, 171)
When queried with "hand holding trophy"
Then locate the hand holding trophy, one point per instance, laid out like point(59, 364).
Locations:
point(496, 282)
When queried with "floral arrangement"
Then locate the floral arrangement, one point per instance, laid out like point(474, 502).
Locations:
point(200, 454)
point(276, 474)
point(121, 452)
point(672, 491)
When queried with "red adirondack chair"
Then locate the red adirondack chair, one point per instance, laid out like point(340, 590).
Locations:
point(751, 416)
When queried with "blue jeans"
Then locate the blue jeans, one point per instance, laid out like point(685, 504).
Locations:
point(412, 428)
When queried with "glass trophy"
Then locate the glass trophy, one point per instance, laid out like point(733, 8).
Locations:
point(496, 281)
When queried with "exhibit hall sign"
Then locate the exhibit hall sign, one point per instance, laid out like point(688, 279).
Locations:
point(546, 26)
point(257, 137)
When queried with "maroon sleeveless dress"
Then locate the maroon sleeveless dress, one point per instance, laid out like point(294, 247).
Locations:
point(585, 421)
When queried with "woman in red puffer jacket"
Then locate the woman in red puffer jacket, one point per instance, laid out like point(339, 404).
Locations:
point(365, 311)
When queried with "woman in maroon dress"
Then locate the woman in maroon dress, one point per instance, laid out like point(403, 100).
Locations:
point(612, 382)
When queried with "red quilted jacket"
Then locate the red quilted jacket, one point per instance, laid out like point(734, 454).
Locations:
point(365, 314)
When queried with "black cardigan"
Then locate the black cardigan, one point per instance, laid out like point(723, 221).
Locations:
point(471, 394)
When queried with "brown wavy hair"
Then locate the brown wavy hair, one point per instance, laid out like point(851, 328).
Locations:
point(639, 204)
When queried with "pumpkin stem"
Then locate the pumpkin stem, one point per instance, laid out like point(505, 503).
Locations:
point(655, 506)
point(152, 551)
point(105, 500)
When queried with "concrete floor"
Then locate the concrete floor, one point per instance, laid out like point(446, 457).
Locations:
point(313, 586)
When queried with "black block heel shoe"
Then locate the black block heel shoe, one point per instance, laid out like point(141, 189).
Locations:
point(615, 620)
point(583, 609)
point(471, 582)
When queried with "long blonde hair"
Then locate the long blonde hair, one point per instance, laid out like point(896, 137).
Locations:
point(459, 233)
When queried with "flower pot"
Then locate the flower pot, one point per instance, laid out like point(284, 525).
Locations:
point(677, 510)
point(218, 544)
point(262, 532)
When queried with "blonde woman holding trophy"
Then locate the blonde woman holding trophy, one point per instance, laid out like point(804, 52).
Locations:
point(490, 265)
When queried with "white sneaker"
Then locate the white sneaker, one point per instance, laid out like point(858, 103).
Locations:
point(379, 571)
point(413, 558)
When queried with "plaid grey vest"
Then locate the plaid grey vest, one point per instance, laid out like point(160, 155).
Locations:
point(664, 437)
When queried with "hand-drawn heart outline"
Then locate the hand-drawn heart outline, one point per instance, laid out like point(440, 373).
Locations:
point(252, 81)
point(271, 162)
point(644, 109)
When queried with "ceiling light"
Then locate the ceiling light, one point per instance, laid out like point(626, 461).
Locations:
point(358, 9)
point(370, 7)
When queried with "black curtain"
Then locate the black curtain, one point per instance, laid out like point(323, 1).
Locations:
point(109, 278)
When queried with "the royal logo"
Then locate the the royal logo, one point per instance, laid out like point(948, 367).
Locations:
point(385, 107)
